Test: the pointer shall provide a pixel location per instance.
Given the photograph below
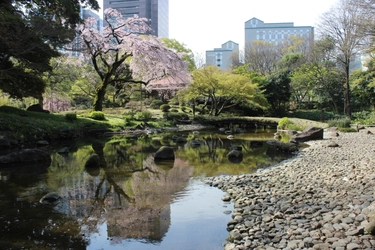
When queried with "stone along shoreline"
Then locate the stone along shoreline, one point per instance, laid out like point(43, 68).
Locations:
point(323, 198)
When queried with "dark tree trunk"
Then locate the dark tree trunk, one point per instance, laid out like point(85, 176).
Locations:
point(348, 108)
point(99, 98)
point(40, 100)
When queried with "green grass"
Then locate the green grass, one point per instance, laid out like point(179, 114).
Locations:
point(25, 125)
point(340, 123)
point(29, 126)
point(313, 115)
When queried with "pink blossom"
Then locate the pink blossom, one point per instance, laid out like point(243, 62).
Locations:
point(126, 47)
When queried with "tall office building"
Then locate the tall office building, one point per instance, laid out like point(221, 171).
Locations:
point(157, 11)
point(222, 57)
point(276, 33)
point(75, 46)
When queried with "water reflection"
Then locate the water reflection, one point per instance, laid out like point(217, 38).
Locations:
point(114, 191)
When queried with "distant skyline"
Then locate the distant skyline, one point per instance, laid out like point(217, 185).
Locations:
point(206, 24)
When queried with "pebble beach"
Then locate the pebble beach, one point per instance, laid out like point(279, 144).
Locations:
point(323, 198)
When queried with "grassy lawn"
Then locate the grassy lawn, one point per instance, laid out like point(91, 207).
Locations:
point(30, 126)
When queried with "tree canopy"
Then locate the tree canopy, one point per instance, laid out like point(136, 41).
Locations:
point(30, 34)
point(125, 53)
point(341, 25)
point(222, 90)
point(363, 85)
point(186, 54)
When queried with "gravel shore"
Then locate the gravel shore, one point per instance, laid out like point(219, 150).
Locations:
point(323, 198)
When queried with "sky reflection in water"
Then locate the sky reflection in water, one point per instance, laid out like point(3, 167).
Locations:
point(130, 202)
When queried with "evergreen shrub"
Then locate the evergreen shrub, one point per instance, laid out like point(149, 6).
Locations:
point(155, 104)
point(143, 116)
point(284, 123)
point(71, 116)
point(165, 107)
point(97, 115)
point(175, 116)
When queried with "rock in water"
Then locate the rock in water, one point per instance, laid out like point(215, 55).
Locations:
point(164, 153)
point(26, 156)
point(51, 199)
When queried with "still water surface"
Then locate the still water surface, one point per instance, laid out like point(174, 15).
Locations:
point(130, 202)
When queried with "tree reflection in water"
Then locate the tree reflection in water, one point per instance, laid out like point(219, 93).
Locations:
point(127, 192)
point(133, 194)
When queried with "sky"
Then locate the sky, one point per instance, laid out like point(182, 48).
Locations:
point(207, 24)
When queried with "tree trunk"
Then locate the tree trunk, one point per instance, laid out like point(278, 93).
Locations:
point(194, 105)
point(40, 100)
point(347, 93)
point(99, 98)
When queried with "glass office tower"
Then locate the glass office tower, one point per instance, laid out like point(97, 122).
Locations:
point(157, 11)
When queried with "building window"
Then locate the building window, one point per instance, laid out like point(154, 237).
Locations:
point(218, 60)
point(122, 1)
point(126, 15)
point(218, 65)
point(128, 8)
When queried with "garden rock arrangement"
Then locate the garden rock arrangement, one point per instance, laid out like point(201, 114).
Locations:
point(323, 198)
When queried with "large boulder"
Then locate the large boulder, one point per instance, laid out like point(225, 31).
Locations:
point(4, 143)
point(93, 161)
point(68, 133)
point(58, 202)
point(8, 143)
point(309, 134)
point(164, 153)
point(256, 144)
point(37, 108)
point(42, 143)
point(235, 156)
point(180, 140)
point(93, 164)
point(289, 147)
point(51, 199)
point(235, 147)
point(26, 156)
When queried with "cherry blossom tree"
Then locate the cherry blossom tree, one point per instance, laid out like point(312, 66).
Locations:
point(125, 52)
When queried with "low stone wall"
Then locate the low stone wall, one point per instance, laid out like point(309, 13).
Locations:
point(324, 198)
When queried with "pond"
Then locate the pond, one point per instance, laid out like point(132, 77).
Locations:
point(131, 202)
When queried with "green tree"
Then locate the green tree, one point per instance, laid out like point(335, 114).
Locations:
point(186, 54)
point(73, 78)
point(297, 45)
point(276, 85)
point(30, 34)
point(262, 56)
point(363, 86)
point(277, 91)
point(313, 82)
point(316, 80)
point(255, 77)
point(222, 90)
point(341, 24)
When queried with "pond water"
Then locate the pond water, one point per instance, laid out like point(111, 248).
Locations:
point(130, 202)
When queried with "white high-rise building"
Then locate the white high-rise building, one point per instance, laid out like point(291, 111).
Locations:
point(223, 57)
point(276, 33)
